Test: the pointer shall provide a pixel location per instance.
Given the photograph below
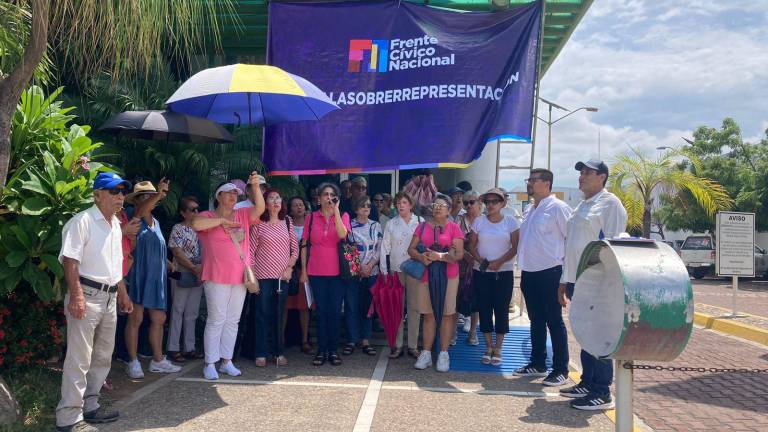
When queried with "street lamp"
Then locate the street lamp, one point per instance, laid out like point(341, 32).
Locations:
point(662, 148)
point(550, 122)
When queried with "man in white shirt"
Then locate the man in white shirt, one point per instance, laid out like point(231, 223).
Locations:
point(92, 255)
point(250, 191)
point(600, 215)
point(540, 255)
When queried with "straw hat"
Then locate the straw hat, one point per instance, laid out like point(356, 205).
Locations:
point(141, 188)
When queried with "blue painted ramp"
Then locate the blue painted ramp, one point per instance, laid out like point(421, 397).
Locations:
point(515, 353)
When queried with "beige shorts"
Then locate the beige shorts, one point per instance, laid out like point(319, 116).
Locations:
point(425, 303)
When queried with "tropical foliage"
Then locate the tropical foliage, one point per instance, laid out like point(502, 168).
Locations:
point(640, 181)
point(50, 180)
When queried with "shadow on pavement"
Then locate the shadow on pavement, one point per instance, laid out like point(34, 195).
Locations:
point(557, 412)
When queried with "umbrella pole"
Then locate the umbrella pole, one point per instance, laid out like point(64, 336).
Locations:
point(250, 123)
point(279, 334)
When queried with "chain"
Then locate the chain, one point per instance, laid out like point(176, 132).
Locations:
point(628, 365)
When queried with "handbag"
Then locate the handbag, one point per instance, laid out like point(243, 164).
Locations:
point(293, 282)
point(249, 279)
point(412, 267)
point(349, 259)
point(187, 280)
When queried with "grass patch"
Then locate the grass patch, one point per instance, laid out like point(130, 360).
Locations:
point(38, 391)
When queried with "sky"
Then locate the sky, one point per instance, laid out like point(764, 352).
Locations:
point(656, 70)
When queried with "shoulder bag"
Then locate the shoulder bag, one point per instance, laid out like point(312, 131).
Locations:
point(411, 267)
point(349, 258)
point(249, 279)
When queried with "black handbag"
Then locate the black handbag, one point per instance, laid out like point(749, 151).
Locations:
point(293, 282)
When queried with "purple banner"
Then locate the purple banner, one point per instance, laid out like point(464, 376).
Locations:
point(417, 86)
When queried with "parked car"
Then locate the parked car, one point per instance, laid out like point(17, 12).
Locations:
point(699, 254)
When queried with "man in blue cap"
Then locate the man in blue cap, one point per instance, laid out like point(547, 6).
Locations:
point(600, 215)
point(92, 256)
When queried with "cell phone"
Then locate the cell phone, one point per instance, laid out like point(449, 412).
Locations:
point(334, 200)
point(484, 265)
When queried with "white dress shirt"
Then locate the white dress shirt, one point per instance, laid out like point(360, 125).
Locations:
point(397, 238)
point(602, 216)
point(243, 204)
point(542, 235)
point(89, 239)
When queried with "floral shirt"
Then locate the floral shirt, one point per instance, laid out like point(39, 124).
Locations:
point(368, 237)
point(185, 238)
point(397, 238)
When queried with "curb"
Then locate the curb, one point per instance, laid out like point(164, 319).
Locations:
point(733, 328)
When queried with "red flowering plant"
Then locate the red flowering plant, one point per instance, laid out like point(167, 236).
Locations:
point(31, 331)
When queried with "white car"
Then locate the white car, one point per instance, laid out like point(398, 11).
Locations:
point(699, 254)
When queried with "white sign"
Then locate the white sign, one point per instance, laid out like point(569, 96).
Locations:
point(735, 244)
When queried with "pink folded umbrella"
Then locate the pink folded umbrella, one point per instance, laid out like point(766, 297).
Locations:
point(387, 294)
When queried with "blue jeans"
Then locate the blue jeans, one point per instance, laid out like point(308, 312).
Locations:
point(267, 303)
point(540, 292)
point(328, 292)
point(357, 301)
point(596, 374)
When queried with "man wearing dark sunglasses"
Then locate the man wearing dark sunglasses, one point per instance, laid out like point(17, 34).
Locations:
point(91, 253)
point(541, 251)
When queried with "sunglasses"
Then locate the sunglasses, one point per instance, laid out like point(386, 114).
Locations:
point(492, 201)
point(193, 209)
point(470, 202)
point(116, 191)
point(365, 206)
point(378, 200)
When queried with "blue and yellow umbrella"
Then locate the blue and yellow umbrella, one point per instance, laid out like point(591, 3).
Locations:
point(255, 95)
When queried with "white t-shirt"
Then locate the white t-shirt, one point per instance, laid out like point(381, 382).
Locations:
point(494, 239)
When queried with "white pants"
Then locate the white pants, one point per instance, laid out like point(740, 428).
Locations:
point(184, 312)
point(90, 342)
point(225, 304)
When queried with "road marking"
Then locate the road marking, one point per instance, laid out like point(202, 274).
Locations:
point(371, 399)
point(414, 387)
point(150, 388)
point(281, 383)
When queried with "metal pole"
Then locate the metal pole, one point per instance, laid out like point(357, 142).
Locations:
point(735, 283)
point(498, 161)
point(538, 82)
point(549, 139)
point(624, 402)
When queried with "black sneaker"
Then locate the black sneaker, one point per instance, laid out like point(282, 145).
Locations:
point(101, 415)
point(555, 379)
point(80, 426)
point(577, 391)
point(531, 371)
point(593, 402)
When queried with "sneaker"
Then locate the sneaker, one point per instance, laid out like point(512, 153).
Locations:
point(443, 361)
point(467, 325)
point(460, 320)
point(229, 369)
point(593, 402)
point(101, 415)
point(424, 361)
point(80, 426)
point(555, 379)
point(163, 366)
point(133, 369)
point(209, 372)
point(530, 370)
point(473, 341)
point(577, 391)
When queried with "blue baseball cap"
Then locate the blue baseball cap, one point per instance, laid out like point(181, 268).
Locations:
point(594, 164)
point(110, 180)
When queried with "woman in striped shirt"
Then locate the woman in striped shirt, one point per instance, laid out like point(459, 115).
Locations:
point(275, 251)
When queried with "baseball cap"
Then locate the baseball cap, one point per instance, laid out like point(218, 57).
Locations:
point(454, 190)
point(594, 164)
point(226, 187)
point(110, 180)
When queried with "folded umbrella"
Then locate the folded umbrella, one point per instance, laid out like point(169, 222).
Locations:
point(387, 294)
point(165, 126)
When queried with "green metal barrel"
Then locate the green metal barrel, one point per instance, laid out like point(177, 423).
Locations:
point(633, 300)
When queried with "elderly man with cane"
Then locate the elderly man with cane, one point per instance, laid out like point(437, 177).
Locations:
point(91, 252)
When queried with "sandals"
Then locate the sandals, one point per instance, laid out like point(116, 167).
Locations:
point(319, 359)
point(369, 350)
point(395, 353)
point(348, 349)
point(193, 355)
point(260, 362)
point(307, 348)
point(496, 359)
point(413, 352)
point(178, 357)
point(334, 359)
point(486, 358)
point(281, 361)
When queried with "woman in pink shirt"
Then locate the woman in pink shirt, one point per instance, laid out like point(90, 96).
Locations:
point(275, 253)
point(222, 273)
point(323, 230)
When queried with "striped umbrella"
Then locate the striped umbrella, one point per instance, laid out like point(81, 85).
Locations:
point(254, 95)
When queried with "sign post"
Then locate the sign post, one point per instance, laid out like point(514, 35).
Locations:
point(735, 245)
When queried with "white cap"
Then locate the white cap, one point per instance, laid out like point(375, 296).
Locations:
point(226, 187)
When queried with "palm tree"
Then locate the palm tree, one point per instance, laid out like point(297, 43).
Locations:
point(638, 180)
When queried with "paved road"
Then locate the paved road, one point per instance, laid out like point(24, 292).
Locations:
point(752, 296)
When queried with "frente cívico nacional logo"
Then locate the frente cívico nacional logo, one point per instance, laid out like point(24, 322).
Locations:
point(384, 55)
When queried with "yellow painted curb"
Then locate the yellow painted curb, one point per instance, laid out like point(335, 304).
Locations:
point(611, 414)
point(731, 327)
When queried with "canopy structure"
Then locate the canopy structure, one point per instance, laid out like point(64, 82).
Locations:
point(245, 34)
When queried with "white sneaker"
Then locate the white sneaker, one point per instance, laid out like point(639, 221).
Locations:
point(443, 361)
point(467, 325)
point(133, 369)
point(163, 366)
point(424, 361)
point(460, 321)
point(209, 372)
point(229, 369)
